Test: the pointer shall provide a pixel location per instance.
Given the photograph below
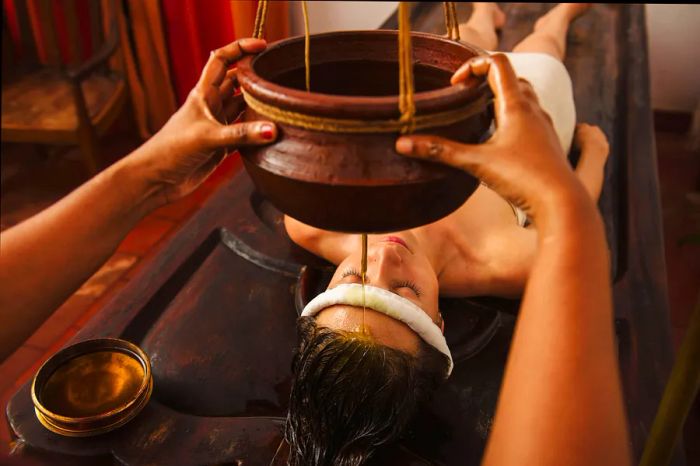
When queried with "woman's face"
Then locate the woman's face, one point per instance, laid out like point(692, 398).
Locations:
point(394, 264)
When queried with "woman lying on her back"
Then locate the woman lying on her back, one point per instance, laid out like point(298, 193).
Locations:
point(355, 387)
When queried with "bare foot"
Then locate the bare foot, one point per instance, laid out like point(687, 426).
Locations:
point(499, 18)
point(480, 29)
point(490, 10)
point(574, 10)
point(592, 141)
point(562, 13)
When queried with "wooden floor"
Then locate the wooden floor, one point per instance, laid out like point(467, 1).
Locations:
point(32, 181)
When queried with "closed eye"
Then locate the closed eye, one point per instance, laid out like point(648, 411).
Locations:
point(351, 273)
point(410, 285)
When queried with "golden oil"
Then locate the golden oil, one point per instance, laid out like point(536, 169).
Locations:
point(93, 384)
point(363, 275)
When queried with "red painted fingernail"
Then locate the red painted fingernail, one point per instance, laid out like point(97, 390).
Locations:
point(267, 131)
point(404, 145)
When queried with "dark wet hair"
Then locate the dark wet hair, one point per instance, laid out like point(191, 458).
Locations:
point(351, 394)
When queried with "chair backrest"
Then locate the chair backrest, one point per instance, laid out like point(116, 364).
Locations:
point(54, 33)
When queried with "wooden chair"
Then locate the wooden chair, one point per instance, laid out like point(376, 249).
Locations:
point(57, 103)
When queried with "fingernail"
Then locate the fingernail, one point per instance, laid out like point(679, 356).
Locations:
point(251, 42)
point(267, 131)
point(404, 145)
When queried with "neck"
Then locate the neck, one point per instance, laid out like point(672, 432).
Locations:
point(432, 245)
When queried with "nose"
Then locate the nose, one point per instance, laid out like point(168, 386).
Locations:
point(383, 262)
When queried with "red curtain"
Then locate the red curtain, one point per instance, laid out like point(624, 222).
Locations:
point(59, 22)
point(195, 28)
point(192, 29)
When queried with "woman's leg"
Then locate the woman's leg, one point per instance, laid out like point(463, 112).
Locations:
point(549, 35)
point(480, 28)
point(594, 152)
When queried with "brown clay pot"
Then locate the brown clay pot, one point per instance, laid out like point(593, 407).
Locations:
point(356, 182)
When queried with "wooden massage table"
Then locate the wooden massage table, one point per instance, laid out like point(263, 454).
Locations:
point(215, 306)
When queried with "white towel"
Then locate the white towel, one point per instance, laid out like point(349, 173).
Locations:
point(386, 302)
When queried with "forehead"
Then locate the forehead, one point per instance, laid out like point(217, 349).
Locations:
point(382, 328)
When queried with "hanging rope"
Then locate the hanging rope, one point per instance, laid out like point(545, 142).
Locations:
point(259, 30)
point(260, 18)
point(451, 20)
point(407, 105)
point(407, 123)
point(307, 41)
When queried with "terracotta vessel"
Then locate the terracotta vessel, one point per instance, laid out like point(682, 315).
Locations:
point(355, 181)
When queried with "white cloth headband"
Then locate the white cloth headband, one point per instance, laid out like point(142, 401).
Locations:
point(386, 302)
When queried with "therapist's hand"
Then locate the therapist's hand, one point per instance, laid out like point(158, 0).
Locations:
point(90, 222)
point(200, 134)
point(523, 160)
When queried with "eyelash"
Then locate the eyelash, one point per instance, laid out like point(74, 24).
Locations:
point(405, 284)
point(351, 271)
point(410, 285)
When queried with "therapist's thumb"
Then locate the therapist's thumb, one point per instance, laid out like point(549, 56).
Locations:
point(466, 157)
point(245, 134)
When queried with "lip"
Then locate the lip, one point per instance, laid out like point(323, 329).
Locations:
point(397, 240)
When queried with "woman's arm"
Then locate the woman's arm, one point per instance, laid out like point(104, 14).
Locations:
point(330, 245)
point(46, 258)
point(512, 249)
point(561, 398)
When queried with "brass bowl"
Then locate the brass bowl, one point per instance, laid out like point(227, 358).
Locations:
point(92, 387)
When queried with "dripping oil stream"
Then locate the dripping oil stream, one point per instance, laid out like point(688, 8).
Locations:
point(363, 275)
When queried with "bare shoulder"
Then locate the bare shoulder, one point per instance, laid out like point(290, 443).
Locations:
point(330, 245)
point(496, 264)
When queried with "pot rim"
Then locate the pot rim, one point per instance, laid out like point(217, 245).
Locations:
point(314, 103)
point(80, 349)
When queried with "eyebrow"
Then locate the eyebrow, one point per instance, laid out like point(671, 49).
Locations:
point(394, 284)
